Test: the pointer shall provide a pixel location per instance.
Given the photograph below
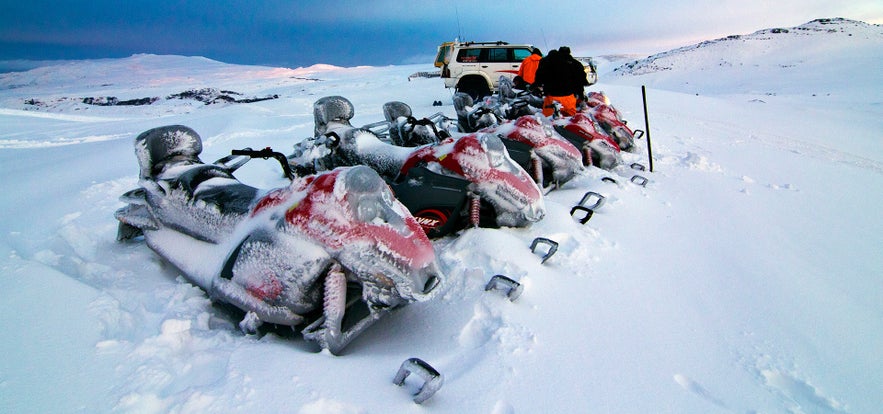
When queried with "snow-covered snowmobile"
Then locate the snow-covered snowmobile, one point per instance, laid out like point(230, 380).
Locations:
point(530, 142)
point(598, 148)
point(599, 142)
point(332, 252)
point(446, 185)
point(598, 106)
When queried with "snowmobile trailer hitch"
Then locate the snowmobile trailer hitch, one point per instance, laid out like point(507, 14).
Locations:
point(433, 380)
point(639, 180)
point(553, 247)
point(588, 196)
point(268, 153)
point(589, 210)
point(588, 213)
point(499, 282)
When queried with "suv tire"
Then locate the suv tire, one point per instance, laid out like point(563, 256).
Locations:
point(474, 86)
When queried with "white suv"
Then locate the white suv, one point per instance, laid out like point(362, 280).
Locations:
point(475, 67)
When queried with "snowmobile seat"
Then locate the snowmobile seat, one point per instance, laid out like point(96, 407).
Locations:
point(392, 111)
point(407, 131)
point(160, 148)
point(415, 132)
point(395, 109)
point(332, 112)
point(472, 119)
point(506, 89)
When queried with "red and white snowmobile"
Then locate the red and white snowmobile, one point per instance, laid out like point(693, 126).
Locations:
point(598, 148)
point(446, 185)
point(598, 106)
point(530, 141)
point(332, 252)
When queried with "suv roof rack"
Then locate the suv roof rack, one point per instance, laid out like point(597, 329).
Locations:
point(498, 42)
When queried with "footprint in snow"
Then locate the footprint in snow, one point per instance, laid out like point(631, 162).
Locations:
point(799, 394)
point(694, 387)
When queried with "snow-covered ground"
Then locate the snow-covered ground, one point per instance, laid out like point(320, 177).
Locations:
point(745, 277)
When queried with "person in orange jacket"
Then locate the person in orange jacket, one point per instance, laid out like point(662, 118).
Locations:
point(528, 69)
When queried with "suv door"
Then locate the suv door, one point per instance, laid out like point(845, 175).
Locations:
point(502, 61)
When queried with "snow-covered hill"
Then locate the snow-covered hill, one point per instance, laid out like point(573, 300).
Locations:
point(745, 277)
point(817, 58)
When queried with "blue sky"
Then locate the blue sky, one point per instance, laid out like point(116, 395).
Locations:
point(349, 33)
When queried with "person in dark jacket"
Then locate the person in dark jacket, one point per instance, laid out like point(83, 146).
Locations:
point(556, 76)
point(580, 81)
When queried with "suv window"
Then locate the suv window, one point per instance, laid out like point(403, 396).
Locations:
point(497, 55)
point(520, 54)
point(468, 55)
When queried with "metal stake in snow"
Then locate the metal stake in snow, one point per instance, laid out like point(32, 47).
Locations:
point(647, 126)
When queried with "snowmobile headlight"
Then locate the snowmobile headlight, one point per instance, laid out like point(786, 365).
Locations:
point(369, 211)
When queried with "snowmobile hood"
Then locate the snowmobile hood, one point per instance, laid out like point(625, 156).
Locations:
point(585, 126)
point(353, 214)
point(611, 119)
point(563, 157)
point(483, 160)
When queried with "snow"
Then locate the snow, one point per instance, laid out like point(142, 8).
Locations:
point(745, 276)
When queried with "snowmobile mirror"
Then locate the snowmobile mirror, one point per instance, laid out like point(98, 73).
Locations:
point(588, 213)
point(433, 380)
point(599, 200)
point(639, 180)
point(637, 166)
point(553, 247)
point(639, 133)
point(499, 282)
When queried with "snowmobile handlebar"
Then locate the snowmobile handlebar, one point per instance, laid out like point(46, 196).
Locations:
point(267, 153)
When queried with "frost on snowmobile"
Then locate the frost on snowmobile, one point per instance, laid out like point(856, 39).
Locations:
point(532, 144)
point(611, 120)
point(445, 185)
point(598, 148)
point(332, 252)
point(532, 139)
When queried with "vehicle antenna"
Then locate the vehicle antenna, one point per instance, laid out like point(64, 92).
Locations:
point(545, 43)
point(459, 29)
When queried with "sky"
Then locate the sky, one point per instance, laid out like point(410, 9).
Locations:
point(385, 32)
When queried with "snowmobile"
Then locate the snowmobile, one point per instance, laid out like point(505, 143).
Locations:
point(331, 253)
point(600, 143)
point(521, 100)
point(447, 185)
point(598, 106)
point(598, 148)
point(530, 143)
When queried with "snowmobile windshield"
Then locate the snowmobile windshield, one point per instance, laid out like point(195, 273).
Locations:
point(496, 153)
